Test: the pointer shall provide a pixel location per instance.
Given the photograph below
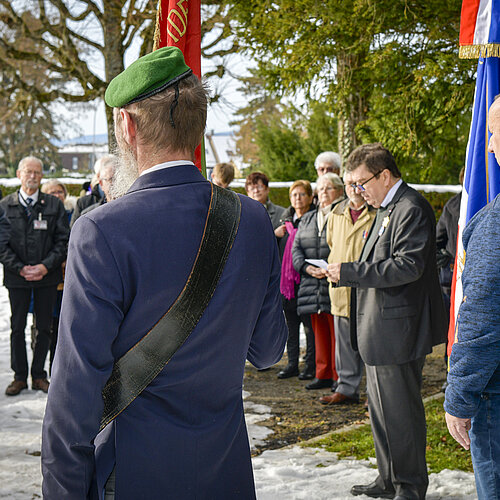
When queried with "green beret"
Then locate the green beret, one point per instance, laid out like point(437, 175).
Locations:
point(147, 76)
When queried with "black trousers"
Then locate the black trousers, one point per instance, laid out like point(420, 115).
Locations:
point(44, 299)
point(398, 427)
point(293, 321)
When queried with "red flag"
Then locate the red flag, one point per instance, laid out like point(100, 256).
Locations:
point(178, 24)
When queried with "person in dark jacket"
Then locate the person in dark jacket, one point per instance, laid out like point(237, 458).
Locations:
point(301, 196)
point(257, 188)
point(446, 242)
point(313, 297)
point(184, 436)
point(397, 316)
point(97, 193)
point(4, 229)
point(106, 174)
point(32, 265)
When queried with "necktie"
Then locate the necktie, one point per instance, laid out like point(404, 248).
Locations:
point(29, 203)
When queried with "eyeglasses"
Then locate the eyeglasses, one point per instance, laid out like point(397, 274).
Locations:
point(361, 186)
point(29, 173)
point(324, 170)
point(256, 187)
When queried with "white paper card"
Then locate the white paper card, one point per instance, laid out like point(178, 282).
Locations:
point(318, 263)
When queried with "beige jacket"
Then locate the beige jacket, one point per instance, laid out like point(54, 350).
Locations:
point(346, 241)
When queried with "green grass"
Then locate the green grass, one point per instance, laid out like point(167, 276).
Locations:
point(442, 450)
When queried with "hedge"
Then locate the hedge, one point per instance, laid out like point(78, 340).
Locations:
point(279, 196)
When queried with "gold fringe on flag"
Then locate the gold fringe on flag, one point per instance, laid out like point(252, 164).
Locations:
point(477, 51)
point(156, 38)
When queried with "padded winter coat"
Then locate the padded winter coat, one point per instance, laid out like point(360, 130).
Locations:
point(310, 243)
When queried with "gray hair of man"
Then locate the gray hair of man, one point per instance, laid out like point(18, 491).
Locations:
point(330, 158)
point(29, 159)
point(330, 177)
point(105, 161)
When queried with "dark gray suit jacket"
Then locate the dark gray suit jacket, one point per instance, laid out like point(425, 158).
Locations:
point(400, 313)
point(275, 213)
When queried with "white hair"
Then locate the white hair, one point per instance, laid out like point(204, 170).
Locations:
point(330, 158)
point(28, 159)
point(105, 161)
point(335, 180)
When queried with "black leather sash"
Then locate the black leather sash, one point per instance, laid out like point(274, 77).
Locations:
point(137, 368)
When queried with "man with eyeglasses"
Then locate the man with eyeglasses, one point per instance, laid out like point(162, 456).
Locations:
point(32, 266)
point(397, 316)
point(327, 161)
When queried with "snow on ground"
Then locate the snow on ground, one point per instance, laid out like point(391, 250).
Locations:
point(286, 474)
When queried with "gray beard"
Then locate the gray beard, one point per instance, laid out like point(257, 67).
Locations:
point(125, 174)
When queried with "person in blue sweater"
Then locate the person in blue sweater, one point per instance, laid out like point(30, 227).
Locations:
point(472, 401)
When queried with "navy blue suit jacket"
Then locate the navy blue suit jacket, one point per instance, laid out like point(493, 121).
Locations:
point(185, 436)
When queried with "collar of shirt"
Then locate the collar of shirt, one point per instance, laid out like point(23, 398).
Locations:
point(390, 194)
point(167, 164)
point(23, 197)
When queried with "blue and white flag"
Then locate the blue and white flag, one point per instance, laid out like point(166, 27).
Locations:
point(482, 172)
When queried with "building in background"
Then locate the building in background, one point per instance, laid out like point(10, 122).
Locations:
point(80, 154)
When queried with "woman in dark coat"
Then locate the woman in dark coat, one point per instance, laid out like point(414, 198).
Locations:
point(301, 196)
point(313, 297)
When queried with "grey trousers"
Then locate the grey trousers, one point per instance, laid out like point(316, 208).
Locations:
point(398, 427)
point(348, 363)
point(109, 488)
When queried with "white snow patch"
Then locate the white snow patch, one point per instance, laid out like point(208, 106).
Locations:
point(286, 474)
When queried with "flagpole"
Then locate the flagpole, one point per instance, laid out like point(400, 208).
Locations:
point(178, 24)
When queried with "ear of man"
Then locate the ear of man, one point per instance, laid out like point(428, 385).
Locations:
point(129, 128)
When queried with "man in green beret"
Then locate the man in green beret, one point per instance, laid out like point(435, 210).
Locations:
point(184, 436)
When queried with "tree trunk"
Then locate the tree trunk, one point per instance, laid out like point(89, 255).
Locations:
point(351, 103)
point(113, 53)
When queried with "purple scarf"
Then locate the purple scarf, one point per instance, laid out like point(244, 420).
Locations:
point(289, 276)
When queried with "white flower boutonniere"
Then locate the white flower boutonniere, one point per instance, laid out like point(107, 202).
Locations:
point(385, 223)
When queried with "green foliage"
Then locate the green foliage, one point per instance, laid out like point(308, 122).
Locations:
point(443, 452)
point(73, 189)
point(389, 72)
point(282, 153)
point(279, 196)
point(284, 141)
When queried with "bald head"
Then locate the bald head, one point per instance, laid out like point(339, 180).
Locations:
point(494, 127)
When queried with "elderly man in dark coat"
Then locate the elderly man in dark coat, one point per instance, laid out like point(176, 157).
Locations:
point(184, 436)
point(398, 317)
point(32, 267)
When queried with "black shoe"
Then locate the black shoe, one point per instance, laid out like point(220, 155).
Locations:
point(372, 490)
point(319, 383)
point(307, 374)
point(335, 384)
point(288, 371)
